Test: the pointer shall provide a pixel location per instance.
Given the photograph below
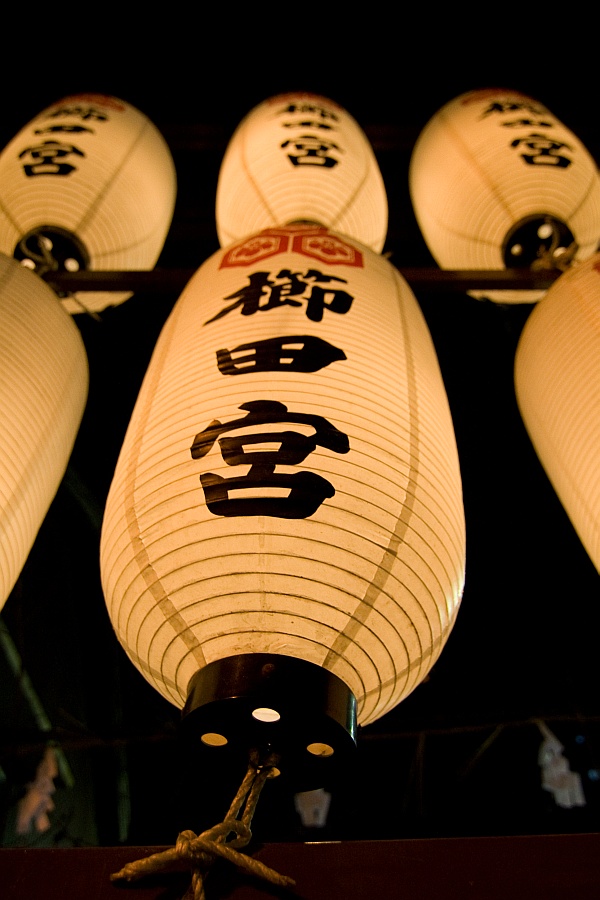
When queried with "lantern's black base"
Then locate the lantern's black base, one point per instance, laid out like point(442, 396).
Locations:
point(266, 704)
point(50, 248)
point(534, 239)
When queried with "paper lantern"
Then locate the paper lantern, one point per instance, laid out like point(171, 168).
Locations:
point(301, 157)
point(557, 382)
point(89, 183)
point(497, 182)
point(43, 391)
point(288, 496)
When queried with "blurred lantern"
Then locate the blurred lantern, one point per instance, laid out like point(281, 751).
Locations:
point(557, 382)
point(300, 157)
point(497, 182)
point(89, 183)
point(43, 391)
point(283, 542)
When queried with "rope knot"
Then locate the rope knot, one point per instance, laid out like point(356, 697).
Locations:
point(184, 845)
point(197, 852)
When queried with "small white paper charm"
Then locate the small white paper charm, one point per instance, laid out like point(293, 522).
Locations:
point(557, 776)
point(312, 807)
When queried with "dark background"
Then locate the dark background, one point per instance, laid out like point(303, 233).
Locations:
point(460, 755)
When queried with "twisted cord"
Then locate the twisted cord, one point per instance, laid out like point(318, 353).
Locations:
point(196, 853)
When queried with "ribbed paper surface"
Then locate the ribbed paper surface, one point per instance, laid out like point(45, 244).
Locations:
point(296, 157)
point(557, 380)
point(43, 391)
point(368, 582)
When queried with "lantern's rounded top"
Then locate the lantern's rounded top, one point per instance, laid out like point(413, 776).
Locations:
point(269, 703)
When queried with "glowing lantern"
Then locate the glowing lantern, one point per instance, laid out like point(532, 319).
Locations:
point(497, 182)
point(43, 391)
point(301, 157)
point(287, 501)
point(89, 183)
point(557, 381)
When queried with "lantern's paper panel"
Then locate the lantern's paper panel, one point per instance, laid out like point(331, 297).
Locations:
point(557, 382)
point(486, 172)
point(89, 183)
point(289, 480)
point(43, 391)
point(301, 157)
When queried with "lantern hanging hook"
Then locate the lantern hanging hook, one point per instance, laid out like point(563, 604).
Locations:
point(549, 258)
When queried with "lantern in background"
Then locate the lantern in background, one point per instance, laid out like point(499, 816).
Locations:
point(89, 183)
point(497, 182)
point(43, 392)
point(286, 510)
point(557, 382)
point(301, 157)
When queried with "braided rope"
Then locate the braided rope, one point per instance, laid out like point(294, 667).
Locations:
point(196, 853)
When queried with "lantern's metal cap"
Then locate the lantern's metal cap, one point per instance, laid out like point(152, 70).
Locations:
point(50, 248)
point(273, 704)
point(537, 241)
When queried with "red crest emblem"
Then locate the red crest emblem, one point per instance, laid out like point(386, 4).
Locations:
point(308, 240)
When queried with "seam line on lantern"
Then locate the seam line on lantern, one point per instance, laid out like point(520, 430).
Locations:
point(145, 568)
point(352, 199)
point(12, 220)
point(473, 164)
point(93, 209)
point(262, 199)
point(402, 522)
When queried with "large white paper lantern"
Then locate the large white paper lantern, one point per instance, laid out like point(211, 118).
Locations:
point(498, 182)
point(557, 382)
point(301, 157)
point(288, 488)
point(89, 183)
point(43, 391)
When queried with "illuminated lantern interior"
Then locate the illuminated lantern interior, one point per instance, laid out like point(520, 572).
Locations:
point(498, 182)
point(286, 511)
point(301, 157)
point(43, 392)
point(89, 183)
point(557, 382)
